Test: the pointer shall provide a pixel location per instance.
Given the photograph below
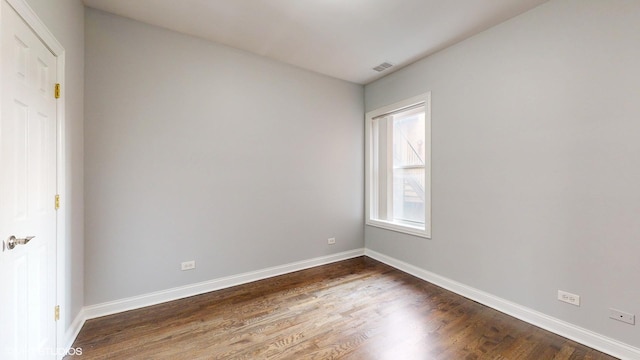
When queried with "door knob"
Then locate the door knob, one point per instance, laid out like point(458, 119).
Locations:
point(13, 241)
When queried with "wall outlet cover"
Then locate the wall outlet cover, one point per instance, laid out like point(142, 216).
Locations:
point(569, 298)
point(188, 265)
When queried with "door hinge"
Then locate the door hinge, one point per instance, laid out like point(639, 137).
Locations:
point(57, 312)
point(57, 91)
point(57, 202)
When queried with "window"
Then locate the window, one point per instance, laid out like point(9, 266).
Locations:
point(398, 176)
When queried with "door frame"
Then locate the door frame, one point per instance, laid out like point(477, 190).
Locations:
point(48, 39)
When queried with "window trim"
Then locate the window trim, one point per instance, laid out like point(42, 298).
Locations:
point(370, 198)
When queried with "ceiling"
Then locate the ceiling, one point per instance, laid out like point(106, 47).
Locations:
point(344, 39)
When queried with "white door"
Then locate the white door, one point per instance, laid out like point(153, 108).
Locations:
point(27, 191)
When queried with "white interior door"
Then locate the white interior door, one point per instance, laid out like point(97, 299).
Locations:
point(27, 191)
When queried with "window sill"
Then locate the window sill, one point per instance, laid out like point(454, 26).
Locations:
point(401, 228)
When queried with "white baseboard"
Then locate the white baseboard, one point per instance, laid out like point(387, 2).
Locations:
point(74, 329)
point(136, 302)
point(70, 335)
point(557, 326)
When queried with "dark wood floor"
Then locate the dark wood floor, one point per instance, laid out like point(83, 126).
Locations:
point(354, 309)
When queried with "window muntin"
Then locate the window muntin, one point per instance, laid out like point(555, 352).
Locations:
point(398, 172)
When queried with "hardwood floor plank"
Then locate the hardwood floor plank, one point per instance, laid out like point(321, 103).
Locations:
point(354, 309)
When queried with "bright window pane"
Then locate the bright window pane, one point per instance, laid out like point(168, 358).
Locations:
point(408, 138)
point(408, 166)
point(408, 195)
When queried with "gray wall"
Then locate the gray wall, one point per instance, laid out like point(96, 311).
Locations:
point(65, 19)
point(196, 151)
point(536, 153)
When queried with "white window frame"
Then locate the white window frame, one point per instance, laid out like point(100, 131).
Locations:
point(370, 168)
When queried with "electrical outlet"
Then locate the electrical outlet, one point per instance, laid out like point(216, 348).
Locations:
point(569, 298)
point(188, 265)
point(331, 241)
point(622, 316)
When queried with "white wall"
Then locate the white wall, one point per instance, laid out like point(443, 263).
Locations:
point(196, 151)
point(65, 19)
point(536, 146)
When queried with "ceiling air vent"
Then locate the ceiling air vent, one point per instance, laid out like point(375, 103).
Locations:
point(382, 67)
